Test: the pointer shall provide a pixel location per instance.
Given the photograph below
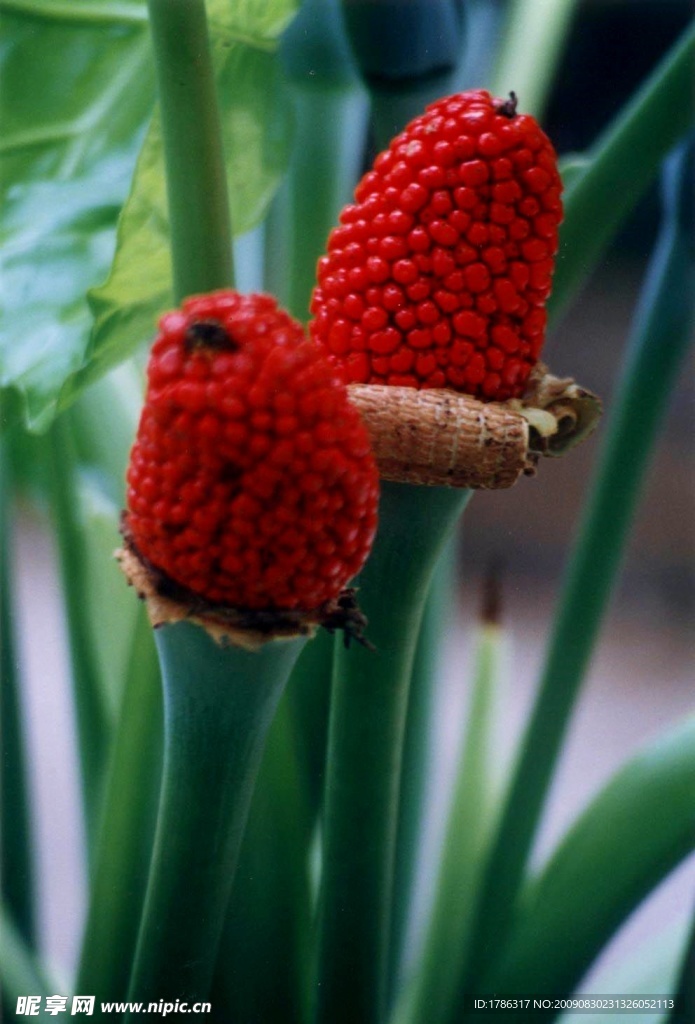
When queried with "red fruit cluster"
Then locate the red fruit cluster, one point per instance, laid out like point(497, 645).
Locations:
point(251, 481)
point(438, 275)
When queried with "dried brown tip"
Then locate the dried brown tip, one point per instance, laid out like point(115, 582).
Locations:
point(442, 438)
point(561, 414)
point(508, 107)
point(168, 602)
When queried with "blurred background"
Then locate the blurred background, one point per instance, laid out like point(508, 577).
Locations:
point(643, 676)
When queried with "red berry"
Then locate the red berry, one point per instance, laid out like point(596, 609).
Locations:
point(474, 189)
point(250, 465)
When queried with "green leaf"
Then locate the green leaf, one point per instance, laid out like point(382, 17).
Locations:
point(638, 828)
point(622, 163)
point(127, 825)
point(474, 805)
point(77, 89)
point(420, 738)
point(72, 93)
point(650, 969)
point(256, 133)
point(57, 238)
point(248, 21)
point(94, 721)
point(21, 973)
point(104, 420)
point(110, 608)
point(661, 334)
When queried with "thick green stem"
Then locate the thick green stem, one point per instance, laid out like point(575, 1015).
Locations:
point(127, 828)
point(407, 52)
point(201, 239)
point(263, 963)
point(93, 723)
point(369, 704)
point(432, 993)
point(218, 705)
point(16, 863)
point(84, 12)
point(662, 333)
point(330, 119)
point(685, 991)
point(417, 747)
point(323, 173)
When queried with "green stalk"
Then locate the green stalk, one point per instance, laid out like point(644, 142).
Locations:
point(621, 165)
point(127, 828)
point(21, 974)
point(218, 702)
point(262, 968)
point(201, 238)
point(432, 994)
point(218, 705)
point(417, 747)
point(93, 721)
point(367, 725)
point(660, 338)
point(330, 111)
point(534, 39)
point(407, 52)
point(685, 989)
point(323, 175)
point(481, 26)
point(84, 12)
point(308, 694)
point(16, 867)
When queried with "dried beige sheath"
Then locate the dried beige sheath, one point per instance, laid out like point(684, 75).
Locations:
point(438, 437)
point(443, 438)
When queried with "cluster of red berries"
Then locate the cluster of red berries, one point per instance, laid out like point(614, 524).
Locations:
point(438, 274)
point(251, 481)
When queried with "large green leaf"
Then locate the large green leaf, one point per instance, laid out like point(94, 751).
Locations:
point(21, 973)
point(638, 828)
point(78, 88)
point(256, 22)
point(58, 239)
point(649, 969)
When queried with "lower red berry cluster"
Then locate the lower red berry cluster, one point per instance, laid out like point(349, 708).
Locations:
point(438, 274)
point(251, 481)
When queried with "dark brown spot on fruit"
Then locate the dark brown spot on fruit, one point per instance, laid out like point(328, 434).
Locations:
point(209, 334)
